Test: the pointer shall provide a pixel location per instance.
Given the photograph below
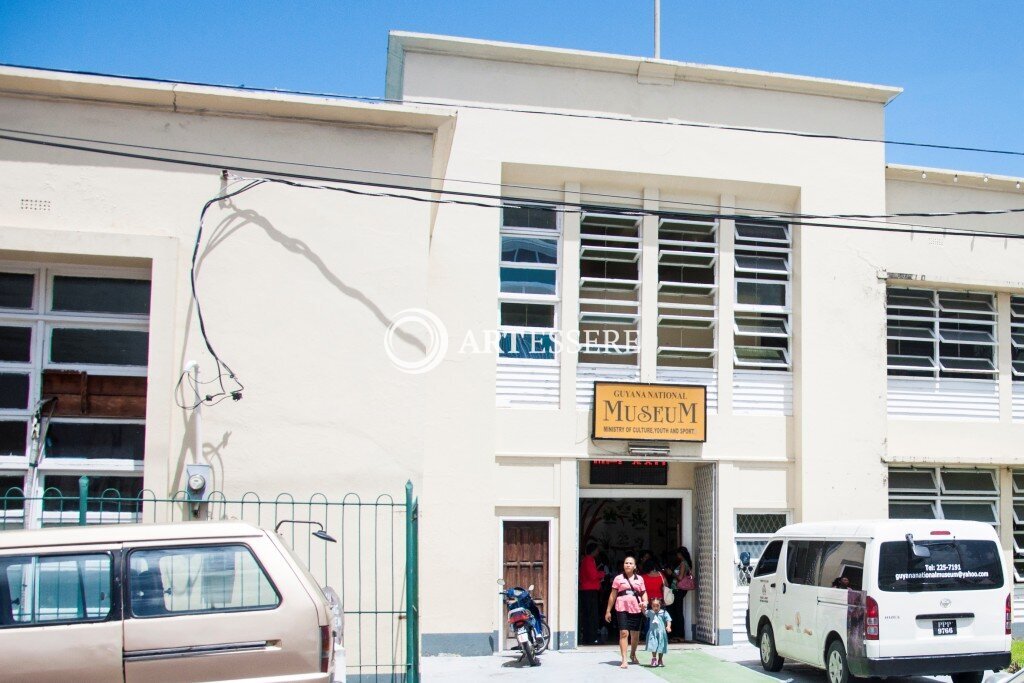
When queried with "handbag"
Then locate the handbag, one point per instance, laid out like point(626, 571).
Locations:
point(668, 598)
point(686, 583)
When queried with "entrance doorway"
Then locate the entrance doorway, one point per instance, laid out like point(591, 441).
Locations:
point(623, 522)
point(525, 555)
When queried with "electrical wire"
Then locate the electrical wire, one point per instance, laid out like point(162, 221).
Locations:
point(545, 112)
point(222, 367)
point(874, 218)
point(513, 202)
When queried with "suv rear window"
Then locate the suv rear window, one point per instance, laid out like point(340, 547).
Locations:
point(954, 565)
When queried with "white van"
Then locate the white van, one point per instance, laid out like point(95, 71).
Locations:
point(883, 598)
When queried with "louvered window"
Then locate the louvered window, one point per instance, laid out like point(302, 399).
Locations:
point(941, 333)
point(763, 277)
point(687, 292)
point(609, 318)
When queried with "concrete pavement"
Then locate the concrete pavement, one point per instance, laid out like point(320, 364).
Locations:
point(734, 664)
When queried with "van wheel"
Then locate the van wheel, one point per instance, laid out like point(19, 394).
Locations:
point(835, 663)
point(770, 659)
point(968, 677)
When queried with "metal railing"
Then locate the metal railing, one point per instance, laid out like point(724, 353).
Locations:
point(373, 567)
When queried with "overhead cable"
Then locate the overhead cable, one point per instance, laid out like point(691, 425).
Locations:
point(561, 113)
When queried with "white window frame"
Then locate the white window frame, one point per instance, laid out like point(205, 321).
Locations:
point(677, 316)
point(42, 320)
point(940, 494)
point(769, 248)
point(749, 538)
point(548, 299)
point(933, 323)
point(590, 288)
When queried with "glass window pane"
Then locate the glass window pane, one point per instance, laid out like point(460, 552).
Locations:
point(207, 579)
point(15, 344)
point(527, 315)
point(910, 510)
point(528, 249)
point(105, 494)
point(99, 347)
point(912, 480)
point(1018, 481)
point(16, 290)
point(526, 345)
point(968, 481)
point(95, 440)
point(905, 330)
point(100, 295)
point(763, 263)
point(977, 512)
point(51, 589)
point(761, 293)
point(74, 588)
point(527, 281)
point(757, 326)
point(12, 491)
point(530, 217)
point(966, 336)
point(13, 391)
point(910, 298)
point(13, 437)
point(761, 231)
point(911, 361)
point(967, 364)
point(761, 354)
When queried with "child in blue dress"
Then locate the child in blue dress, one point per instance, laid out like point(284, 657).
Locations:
point(660, 625)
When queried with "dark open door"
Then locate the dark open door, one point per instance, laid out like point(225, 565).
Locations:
point(525, 558)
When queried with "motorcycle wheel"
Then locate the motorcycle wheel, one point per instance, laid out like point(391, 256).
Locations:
point(531, 656)
point(544, 640)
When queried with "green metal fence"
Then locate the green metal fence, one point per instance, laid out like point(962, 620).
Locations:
point(373, 566)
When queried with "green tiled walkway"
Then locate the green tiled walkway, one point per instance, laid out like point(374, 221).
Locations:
point(694, 665)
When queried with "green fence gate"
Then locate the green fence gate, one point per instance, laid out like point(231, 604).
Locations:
point(373, 566)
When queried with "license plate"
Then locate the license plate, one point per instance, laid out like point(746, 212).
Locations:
point(522, 636)
point(944, 627)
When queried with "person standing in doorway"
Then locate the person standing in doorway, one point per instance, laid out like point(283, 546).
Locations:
point(629, 598)
point(590, 595)
point(683, 583)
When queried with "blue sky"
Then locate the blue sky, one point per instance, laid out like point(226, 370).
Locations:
point(961, 64)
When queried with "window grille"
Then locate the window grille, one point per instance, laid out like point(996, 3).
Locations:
point(752, 533)
point(687, 292)
point(609, 318)
point(529, 274)
point(941, 334)
point(763, 276)
point(944, 493)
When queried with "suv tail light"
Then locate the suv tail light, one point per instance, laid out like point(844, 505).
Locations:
point(326, 648)
point(870, 619)
point(1009, 614)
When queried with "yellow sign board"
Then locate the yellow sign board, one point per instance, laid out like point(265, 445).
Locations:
point(650, 412)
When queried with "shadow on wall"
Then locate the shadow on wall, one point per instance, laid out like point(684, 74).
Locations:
point(238, 219)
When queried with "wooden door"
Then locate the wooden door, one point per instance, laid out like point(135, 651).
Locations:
point(525, 558)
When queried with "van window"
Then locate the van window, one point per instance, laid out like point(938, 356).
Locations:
point(953, 565)
point(802, 561)
point(198, 579)
point(769, 561)
point(54, 589)
point(842, 565)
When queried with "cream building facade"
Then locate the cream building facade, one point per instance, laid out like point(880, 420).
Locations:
point(849, 372)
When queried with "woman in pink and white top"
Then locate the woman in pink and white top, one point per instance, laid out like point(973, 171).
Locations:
point(629, 597)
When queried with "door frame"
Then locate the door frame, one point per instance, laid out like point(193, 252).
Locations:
point(685, 496)
point(552, 602)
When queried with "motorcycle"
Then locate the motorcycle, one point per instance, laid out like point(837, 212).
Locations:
point(526, 621)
